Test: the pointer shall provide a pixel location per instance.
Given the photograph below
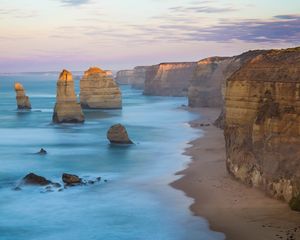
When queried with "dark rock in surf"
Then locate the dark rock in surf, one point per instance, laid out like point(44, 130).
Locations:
point(71, 180)
point(33, 179)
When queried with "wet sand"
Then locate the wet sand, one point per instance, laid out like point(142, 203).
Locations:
point(241, 212)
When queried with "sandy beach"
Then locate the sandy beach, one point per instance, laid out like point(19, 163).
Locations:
point(241, 212)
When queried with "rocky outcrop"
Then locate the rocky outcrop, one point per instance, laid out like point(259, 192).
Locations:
point(169, 79)
point(262, 123)
point(117, 134)
point(22, 100)
point(66, 109)
point(99, 91)
point(33, 179)
point(71, 180)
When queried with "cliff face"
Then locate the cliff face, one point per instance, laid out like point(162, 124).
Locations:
point(22, 100)
point(99, 91)
point(262, 122)
point(169, 79)
point(66, 109)
point(206, 86)
point(135, 78)
point(124, 76)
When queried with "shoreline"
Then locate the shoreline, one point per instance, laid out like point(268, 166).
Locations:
point(238, 211)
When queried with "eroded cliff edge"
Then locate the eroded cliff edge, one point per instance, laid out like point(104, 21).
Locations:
point(262, 122)
point(169, 79)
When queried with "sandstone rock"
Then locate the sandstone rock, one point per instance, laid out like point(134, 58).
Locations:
point(169, 79)
point(99, 91)
point(71, 180)
point(22, 100)
point(66, 109)
point(117, 134)
point(33, 179)
point(262, 123)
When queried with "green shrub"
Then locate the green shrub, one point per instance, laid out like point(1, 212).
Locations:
point(295, 203)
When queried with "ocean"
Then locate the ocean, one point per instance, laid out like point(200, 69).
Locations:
point(135, 203)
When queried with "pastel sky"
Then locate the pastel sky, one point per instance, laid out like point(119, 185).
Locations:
point(45, 35)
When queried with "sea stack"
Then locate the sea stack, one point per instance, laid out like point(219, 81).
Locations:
point(66, 109)
point(22, 100)
point(99, 91)
point(117, 134)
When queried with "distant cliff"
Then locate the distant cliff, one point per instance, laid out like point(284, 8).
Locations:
point(262, 122)
point(169, 79)
point(135, 77)
point(124, 76)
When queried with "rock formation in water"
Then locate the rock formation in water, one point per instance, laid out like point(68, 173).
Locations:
point(262, 122)
point(71, 180)
point(99, 91)
point(33, 179)
point(169, 79)
point(135, 78)
point(22, 100)
point(117, 134)
point(66, 109)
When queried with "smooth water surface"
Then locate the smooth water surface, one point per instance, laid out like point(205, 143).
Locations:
point(135, 203)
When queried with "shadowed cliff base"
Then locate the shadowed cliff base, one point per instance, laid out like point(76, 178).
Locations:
point(230, 207)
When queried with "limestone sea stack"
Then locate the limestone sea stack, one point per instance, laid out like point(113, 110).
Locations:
point(169, 79)
point(117, 134)
point(262, 124)
point(66, 109)
point(23, 101)
point(99, 91)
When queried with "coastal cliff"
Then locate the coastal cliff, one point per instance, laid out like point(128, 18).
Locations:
point(66, 109)
point(262, 124)
point(208, 85)
point(23, 101)
point(135, 78)
point(169, 79)
point(124, 76)
point(99, 91)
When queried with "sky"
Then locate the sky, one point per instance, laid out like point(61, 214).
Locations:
point(49, 35)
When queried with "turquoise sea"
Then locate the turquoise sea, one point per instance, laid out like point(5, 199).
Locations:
point(135, 204)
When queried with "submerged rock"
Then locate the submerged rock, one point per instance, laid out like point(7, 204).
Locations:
point(71, 180)
point(98, 90)
point(117, 134)
point(33, 179)
point(22, 100)
point(66, 109)
point(42, 152)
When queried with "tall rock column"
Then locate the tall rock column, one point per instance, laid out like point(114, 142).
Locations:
point(66, 109)
point(99, 91)
point(22, 100)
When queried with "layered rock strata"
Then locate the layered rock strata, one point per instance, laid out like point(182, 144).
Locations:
point(169, 79)
point(23, 101)
point(99, 91)
point(66, 109)
point(262, 122)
